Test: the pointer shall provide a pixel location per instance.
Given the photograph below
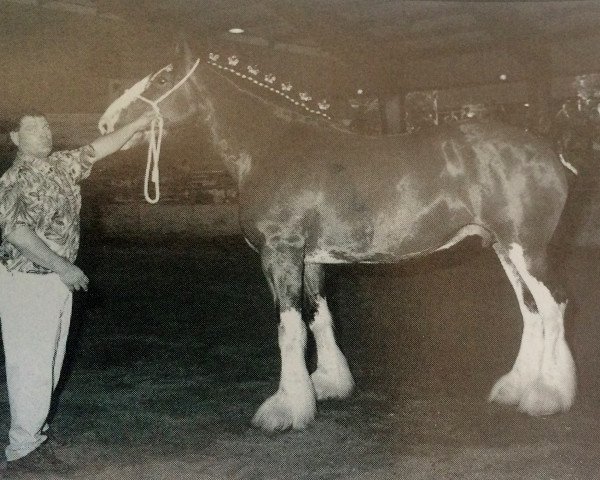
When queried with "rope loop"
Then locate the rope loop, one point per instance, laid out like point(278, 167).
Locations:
point(155, 141)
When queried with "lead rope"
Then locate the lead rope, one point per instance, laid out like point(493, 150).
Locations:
point(156, 134)
point(155, 141)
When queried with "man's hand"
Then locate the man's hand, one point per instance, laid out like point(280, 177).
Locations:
point(110, 143)
point(74, 278)
point(36, 250)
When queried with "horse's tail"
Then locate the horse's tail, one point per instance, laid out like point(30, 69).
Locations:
point(576, 203)
point(568, 165)
point(570, 135)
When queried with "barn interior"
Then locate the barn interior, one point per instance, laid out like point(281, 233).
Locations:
point(175, 345)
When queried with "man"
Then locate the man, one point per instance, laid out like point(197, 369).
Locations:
point(39, 218)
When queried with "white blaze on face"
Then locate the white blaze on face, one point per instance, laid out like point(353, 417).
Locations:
point(107, 122)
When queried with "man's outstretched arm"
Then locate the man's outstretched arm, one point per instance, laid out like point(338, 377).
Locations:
point(110, 143)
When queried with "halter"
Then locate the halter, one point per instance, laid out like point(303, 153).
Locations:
point(156, 133)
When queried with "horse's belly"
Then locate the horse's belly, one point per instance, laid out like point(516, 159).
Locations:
point(392, 235)
point(340, 256)
point(327, 256)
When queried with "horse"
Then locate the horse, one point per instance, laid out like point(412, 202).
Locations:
point(313, 193)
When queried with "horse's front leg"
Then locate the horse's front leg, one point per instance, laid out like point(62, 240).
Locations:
point(294, 403)
point(332, 378)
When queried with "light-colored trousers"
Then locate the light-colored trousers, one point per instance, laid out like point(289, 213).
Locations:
point(35, 311)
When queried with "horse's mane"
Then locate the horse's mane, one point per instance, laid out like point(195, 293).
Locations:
point(290, 110)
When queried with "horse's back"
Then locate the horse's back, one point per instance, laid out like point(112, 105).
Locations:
point(456, 151)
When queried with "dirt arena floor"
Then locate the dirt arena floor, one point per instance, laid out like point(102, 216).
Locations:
point(174, 348)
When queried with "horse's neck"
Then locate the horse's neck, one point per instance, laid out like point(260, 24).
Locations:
point(244, 124)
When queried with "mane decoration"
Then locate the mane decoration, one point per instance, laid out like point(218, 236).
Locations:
point(268, 83)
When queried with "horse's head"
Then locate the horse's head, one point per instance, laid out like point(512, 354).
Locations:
point(169, 91)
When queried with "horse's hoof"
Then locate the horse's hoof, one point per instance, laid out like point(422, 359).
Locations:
point(338, 385)
point(280, 412)
point(540, 399)
point(507, 390)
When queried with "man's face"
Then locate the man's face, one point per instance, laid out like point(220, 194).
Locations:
point(33, 137)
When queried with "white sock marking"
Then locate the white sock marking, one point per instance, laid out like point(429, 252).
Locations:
point(294, 403)
point(553, 389)
point(527, 365)
point(332, 379)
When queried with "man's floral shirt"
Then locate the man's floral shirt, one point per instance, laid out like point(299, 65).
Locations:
point(44, 195)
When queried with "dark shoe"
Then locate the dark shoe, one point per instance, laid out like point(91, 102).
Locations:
point(41, 460)
point(54, 439)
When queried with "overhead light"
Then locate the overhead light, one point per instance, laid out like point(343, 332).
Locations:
point(526, 105)
point(502, 77)
point(236, 30)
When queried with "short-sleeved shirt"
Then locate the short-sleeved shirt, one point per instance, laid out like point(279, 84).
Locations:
point(44, 195)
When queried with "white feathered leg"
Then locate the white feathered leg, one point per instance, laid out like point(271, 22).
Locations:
point(332, 378)
point(509, 388)
point(294, 403)
point(542, 380)
point(554, 389)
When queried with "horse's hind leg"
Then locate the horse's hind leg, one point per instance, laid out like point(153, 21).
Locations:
point(542, 380)
point(332, 378)
point(509, 388)
point(294, 403)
